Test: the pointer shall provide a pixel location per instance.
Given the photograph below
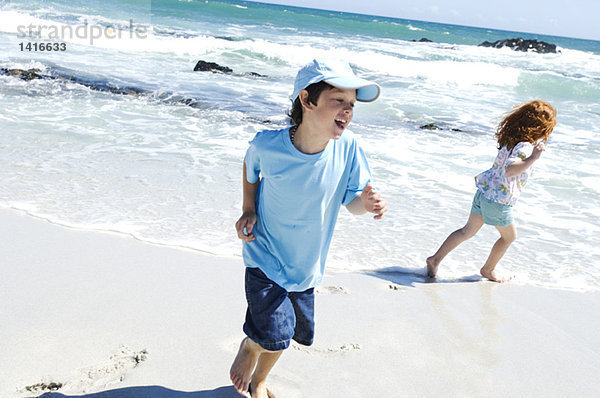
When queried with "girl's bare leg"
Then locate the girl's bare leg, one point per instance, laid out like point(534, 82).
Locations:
point(508, 235)
point(473, 225)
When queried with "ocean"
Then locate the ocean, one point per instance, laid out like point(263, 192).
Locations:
point(122, 135)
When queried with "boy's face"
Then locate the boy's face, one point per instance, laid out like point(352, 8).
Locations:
point(333, 112)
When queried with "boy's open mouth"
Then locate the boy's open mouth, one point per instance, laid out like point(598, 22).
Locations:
point(340, 123)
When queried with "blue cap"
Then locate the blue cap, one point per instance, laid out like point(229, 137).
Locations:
point(338, 73)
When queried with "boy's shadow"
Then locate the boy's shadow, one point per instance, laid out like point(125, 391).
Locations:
point(410, 276)
point(151, 392)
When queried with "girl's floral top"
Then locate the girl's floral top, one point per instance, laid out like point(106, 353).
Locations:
point(493, 183)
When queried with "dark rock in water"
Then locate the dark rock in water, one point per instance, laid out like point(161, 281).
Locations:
point(519, 44)
point(254, 74)
point(67, 76)
point(204, 66)
point(433, 126)
point(228, 38)
point(430, 126)
point(100, 85)
point(178, 99)
point(424, 40)
point(126, 90)
point(252, 119)
point(29, 74)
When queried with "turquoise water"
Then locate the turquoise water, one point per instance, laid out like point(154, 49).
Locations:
point(152, 166)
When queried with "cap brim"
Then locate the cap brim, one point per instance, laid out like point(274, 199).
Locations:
point(366, 91)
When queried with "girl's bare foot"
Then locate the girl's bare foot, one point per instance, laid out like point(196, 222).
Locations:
point(243, 366)
point(432, 266)
point(492, 275)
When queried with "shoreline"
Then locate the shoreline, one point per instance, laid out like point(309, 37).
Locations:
point(102, 312)
point(115, 232)
point(396, 272)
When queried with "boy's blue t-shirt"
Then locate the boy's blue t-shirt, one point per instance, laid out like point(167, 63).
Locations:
point(297, 204)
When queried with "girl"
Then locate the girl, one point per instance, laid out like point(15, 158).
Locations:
point(522, 137)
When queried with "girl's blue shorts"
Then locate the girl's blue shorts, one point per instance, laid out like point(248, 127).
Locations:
point(493, 213)
point(276, 316)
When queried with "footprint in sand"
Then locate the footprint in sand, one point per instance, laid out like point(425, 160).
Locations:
point(395, 287)
point(96, 377)
point(116, 368)
point(42, 387)
point(343, 349)
point(331, 290)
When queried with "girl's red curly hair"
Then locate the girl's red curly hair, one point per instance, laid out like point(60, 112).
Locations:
point(529, 122)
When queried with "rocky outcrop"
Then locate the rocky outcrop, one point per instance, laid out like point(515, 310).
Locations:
point(519, 44)
point(99, 85)
point(433, 126)
point(28, 74)
point(63, 75)
point(430, 126)
point(424, 40)
point(203, 66)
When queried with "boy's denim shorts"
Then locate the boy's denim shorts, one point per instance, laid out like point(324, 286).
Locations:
point(274, 315)
point(493, 213)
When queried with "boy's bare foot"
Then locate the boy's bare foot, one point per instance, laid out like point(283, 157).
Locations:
point(243, 366)
point(260, 391)
point(432, 266)
point(491, 275)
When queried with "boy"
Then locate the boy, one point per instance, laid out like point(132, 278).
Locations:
point(295, 180)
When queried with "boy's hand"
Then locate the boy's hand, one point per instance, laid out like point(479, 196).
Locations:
point(373, 202)
point(246, 222)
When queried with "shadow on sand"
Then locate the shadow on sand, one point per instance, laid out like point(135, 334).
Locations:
point(151, 392)
point(411, 276)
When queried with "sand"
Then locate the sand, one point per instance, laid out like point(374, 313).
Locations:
point(105, 315)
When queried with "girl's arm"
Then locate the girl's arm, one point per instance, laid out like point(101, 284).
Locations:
point(520, 166)
point(248, 218)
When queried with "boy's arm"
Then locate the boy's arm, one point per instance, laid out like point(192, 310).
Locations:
point(356, 207)
point(369, 201)
point(248, 218)
point(520, 166)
